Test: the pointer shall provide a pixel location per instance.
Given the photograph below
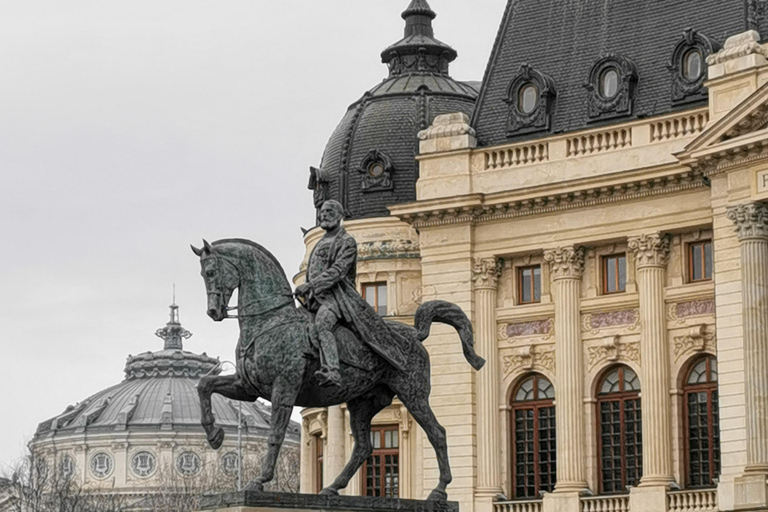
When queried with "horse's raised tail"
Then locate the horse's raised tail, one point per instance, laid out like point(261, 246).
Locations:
point(451, 314)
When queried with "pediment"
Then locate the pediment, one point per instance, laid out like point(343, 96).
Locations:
point(745, 126)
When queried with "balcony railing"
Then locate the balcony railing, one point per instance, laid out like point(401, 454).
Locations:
point(516, 156)
point(600, 142)
point(618, 503)
point(678, 127)
point(699, 500)
point(517, 506)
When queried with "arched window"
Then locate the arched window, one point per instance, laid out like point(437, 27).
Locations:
point(534, 457)
point(621, 434)
point(702, 423)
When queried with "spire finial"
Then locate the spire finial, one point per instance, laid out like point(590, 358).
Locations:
point(173, 332)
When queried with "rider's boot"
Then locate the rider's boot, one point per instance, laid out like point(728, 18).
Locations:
point(328, 375)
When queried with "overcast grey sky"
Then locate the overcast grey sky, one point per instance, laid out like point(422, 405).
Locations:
point(130, 129)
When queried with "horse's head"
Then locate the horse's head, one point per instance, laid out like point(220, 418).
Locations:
point(221, 278)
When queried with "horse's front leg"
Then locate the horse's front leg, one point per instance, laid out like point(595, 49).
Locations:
point(284, 394)
point(225, 385)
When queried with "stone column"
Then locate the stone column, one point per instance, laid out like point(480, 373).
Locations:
point(307, 465)
point(485, 275)
point(566, 268)
point(651, 255)
point(334, 456)
point(752, 229)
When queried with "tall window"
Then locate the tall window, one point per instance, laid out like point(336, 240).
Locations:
point(700, 261)
point(534, 456)
point(614, 273)
point(375, 294)
point(529, 285)
point(702, 423)
point(381, 472)
point(621, 433)
point(318, 463)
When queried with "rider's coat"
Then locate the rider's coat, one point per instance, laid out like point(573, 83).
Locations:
point(331, 271)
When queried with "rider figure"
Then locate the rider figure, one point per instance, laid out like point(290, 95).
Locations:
point(333, 260)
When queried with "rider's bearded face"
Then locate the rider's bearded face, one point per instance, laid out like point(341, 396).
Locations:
point(329, 217)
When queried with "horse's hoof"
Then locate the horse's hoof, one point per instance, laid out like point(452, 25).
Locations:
point(437, 495)
point(329, 491)
point(216, 438)
point(254, 486)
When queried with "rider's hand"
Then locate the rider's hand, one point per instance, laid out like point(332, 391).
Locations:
point(303, 290)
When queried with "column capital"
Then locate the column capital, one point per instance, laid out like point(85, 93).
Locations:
point(565, 262)
point(751, 220)
point(650, 250)
point(486, 273)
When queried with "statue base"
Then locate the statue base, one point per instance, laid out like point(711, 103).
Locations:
point(247, 501)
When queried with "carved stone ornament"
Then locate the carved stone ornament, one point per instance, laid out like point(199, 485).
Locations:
point(544, 329)
point(600, 107)
point(448, 125)
point(565, 262)
point(539, 117)
point(376, 170)
point(387, 249)
point(650, 250)
point(683, 89)
point(739, 45)
point(528, 357)
point(486, 273)
point(679, 312)
point(611, 349)
point(696, 340)
point(595, 322)
point(751, 220)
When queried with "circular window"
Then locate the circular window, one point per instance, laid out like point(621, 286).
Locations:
point(143, 464)
point(528, 99)
point(67, 467)
point(229, 463)
point(188, 463)
point(609, 83)
point(101, 465)
point(692, 65)
point(376, 169)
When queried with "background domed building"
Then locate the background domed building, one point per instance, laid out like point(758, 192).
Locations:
point(142, 440)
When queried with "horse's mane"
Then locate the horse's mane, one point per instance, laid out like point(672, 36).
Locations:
point(256, 246)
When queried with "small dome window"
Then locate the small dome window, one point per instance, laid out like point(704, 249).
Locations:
point(528, 99)
point(376, 169)
point(692, 65)
point(609, 83)
point(688, 66)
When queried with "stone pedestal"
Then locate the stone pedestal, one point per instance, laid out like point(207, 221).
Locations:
point(648, 499)
point(283, 502)
point(561, 502)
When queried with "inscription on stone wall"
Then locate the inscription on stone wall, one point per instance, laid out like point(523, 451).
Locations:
point(761, 184)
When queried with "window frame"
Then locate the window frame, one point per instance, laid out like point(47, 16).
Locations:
point(537, 405)
point(690, 252)
point(604, 273)
point(711, 388)
point(622, 397)
point(376, 285)
point(319, 462)
point(382, 452)
point(520, 271)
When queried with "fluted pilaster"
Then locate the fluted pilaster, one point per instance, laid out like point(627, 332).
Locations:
point(651, 256)
point(306, 457)
point(485, 275)
point(751, 222)
point(566, 266)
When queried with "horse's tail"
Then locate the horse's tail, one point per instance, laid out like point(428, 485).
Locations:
point(451, 314)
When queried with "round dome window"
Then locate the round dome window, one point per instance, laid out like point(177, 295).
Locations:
point(188, 463)
point(528, 99)
point(143, 464)
point(609, 83)
point(376, 169)
point(101, 465)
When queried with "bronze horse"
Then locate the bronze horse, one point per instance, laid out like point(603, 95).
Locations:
point(277, 359)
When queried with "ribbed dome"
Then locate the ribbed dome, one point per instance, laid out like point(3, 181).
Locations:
point(159, 392)
point(369, 162)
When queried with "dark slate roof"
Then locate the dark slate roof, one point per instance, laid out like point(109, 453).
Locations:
point(564, 38)
point(389, 116)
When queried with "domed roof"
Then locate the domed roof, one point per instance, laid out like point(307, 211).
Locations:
point(159, 393)
point(369, 162)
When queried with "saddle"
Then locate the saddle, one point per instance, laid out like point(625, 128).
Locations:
point(352, 351)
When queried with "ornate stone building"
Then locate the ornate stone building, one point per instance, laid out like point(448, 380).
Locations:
point(600, 213)
point(142, 441)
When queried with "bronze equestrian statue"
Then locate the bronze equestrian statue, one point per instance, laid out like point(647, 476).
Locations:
point(284, 357)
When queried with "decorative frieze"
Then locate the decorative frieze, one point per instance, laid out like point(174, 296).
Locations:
point(541, 328)
point(486, 273)
point(528, 358)
point(751, 220)
point(565, 262)
point(650, 250)
point(387, 249)
point(697, 339)
point(611, 349)
point(595, 322)
point(680, 311)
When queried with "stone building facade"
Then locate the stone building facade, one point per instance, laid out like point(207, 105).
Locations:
point(601, 216)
